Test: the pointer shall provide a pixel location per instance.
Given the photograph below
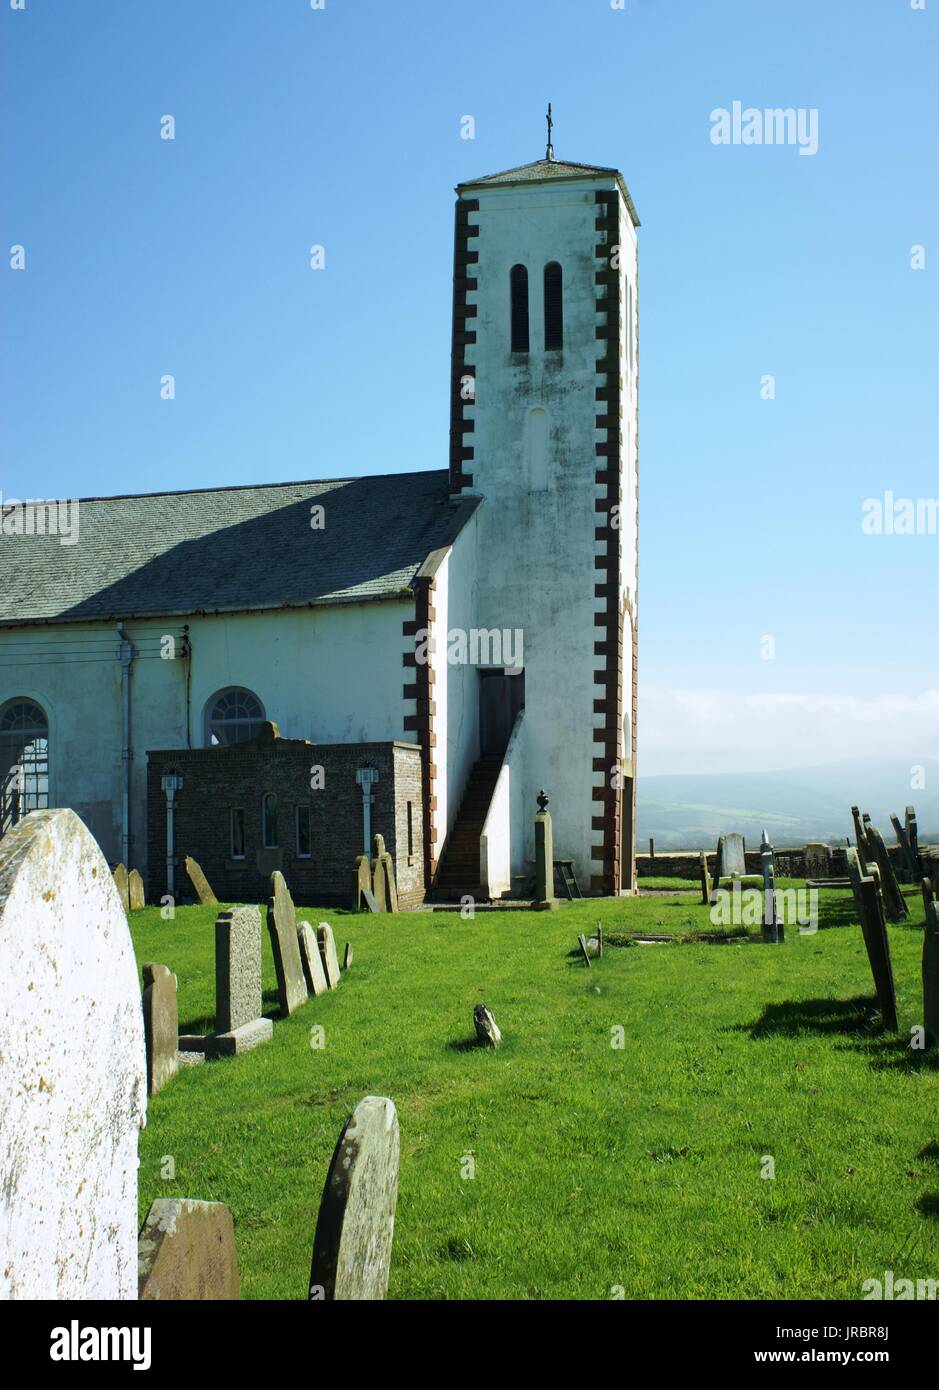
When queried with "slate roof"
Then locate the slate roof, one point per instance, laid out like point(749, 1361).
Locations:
point(542, 170)
point(231, 549)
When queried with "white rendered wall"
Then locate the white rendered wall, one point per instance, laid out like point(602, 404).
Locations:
point(332, 675)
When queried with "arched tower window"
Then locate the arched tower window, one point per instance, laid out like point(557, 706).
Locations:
point(518, 284)
point(24, 761)
point(232, 716)
point(553, 308)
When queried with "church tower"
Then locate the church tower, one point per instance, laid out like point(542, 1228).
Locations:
point(544, 430)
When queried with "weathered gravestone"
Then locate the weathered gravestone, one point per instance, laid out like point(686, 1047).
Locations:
point(73, 1068)
point(817, 860)
point(186, 1250)
point(363, 899)
point(160, 1025)
point(355, 1227)
point(282, 925)
point(135, 893)
point(860, 839)
point(347, 956)
point(909, 862)
point(912, 835)
point(199, 882)
point(312, 960)
point(239, 1025)
point(928, 894)
point(582, 944)
point(122, 885)
point(894, 905)
point(931, 973)
point(870, 907)
point(705, 879)
point(383, 878)
point(773, 929)
point(327, 947)
point(487, 1030)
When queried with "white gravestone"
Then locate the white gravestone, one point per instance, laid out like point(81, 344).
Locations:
point(73, 1070)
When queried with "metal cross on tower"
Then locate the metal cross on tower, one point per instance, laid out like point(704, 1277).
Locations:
point(549, 152)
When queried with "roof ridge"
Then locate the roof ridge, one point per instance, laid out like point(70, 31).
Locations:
point(232, 487)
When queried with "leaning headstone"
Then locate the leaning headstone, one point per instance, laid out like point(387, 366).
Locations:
point(860, 838)
point(347, 956)
point(186, 1251)
point(705, 879)
point(383, 878)
point(122, 885)
point(544, 901)
point(487, 1030)
point(894, 903)
point(582, 943)
point(73, 1068)
point(135, 893)
point(160, 1026)
point(327, 945)
point(870, 907)
point(362, 884)
point(817, 859)
point(199, 882)
point(312, 960)
point(282, 925)
point(909, 867)
point(931, 973)
point(355, 1226)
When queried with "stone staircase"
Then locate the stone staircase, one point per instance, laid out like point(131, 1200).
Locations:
point(458, 871)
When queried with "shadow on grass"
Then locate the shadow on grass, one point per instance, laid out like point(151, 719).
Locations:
point(928, 1205)
point(792, 1017)
point(205, 1023)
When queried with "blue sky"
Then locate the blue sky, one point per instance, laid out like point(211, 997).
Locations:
point(341, 127)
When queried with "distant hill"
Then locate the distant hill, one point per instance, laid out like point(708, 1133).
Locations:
point(690, 810)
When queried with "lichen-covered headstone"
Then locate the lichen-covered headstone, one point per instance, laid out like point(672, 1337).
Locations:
point(817, 859)
point(199, 882)
point(362, 889)
point(384, 889)
point(73, 1070)
point(237, 968)
point(931, 973)
point(186, 1251)
point(160, 1025)
point(312, 960)
point(282, 925)
point(347, 956)
point(135, 893)
point(122, 886)
point(327, 945)
point(487, 1030)
point(355, 1226)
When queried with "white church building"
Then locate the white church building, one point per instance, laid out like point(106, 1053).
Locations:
point(482, 616)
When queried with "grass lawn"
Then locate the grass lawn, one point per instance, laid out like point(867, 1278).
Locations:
point(596, 1168)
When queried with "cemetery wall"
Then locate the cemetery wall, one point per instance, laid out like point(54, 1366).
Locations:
point(217, 780)
point(790, 862)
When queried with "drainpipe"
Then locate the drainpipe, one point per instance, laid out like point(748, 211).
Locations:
point(126, 656)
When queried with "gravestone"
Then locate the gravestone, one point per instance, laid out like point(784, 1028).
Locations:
point(894, 905)
point(383, 878)
point(239, 1024)
point(347, 956)
point(312, 960)
point(160, 1026)
point(931, 973)
point(773, 930)
point(327, 947)
point(860, 838)
point(355, 1226)
point(734, 858)
point(912, 835)
point(545, 901)
point(928, 895)
point(582, 943)
point(135, 893)
point(909, 865)
point(199, 882)
point(487, 1030)
point(705, 879)
point(282, 925)
point(870, 907)
point(817, 860)
point(186, 1250)
point(73, 1068)
point(122, 885)
point(362, 886)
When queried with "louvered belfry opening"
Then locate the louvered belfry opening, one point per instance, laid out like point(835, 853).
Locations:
point(519, 292)
point(553, 308)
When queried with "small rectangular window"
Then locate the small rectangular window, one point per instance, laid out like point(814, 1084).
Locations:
point(410, 830)
point(237, 824)
point(269, 821)
point(304, 840)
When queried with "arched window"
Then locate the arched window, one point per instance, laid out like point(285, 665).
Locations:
point(518, 282)
point(269, 821)
point(24, 761)
point(553, 308)
point(232, 716)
